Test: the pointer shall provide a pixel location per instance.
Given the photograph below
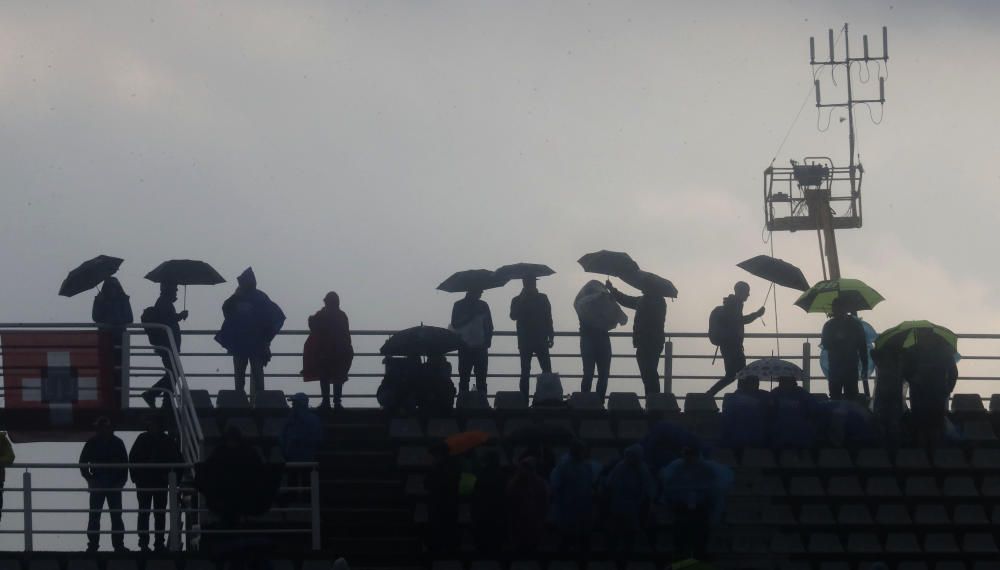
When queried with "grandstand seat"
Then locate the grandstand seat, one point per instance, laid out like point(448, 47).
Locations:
point(940, 543)
point(777, 515)
point(42, 564)
point(202, 401)
point(10, 564)
point(412, 456)
point(596, 431)
point(979, 543)
point(805, 487)
point(639, 565)
point(209, 427)
point(882, 487)
point(471, 400)
point(950, 565)
point(744, 512)
point(863, 543)
point(987, 565)
point(750, 541)
point(246, 426)
point(199, 564)
point(81, 564)
point(825, 543)
point(405, 428)
point(845, 486)
point(724, 456)
point(931, 515)
point(995, 403)
point(768, 486)
point(921, 486)
point(967, 403)
point(272, 400)
point(605, 455)
point(510, 401)
point(795, 459)
point(986, 459)
point(787, 543)
point(912, 459)
point(902, 543)
point(485, 565)
point(991, 486)
point(873, 459)
point(960, 487)
point(632, 430)
point(414, 486)
point(700, 403)
point(664, 543)
point(624, 402)
point(854, 515)
point(834, 566)
point(559, 565)
point(232, 400)
point(970, 515)
point(486, 425)
point(892, 515)
point(754, 458)
point(834, 458)
point(447, 565)
point(420, 514)
point(600, 565)
point(272, 428)
point(662, 403)
point(816, 515)
point(794, 565)
point(512, 425)
point(121, 564)
point(979, 431)
point(440, 428)
point(586, 401)
point(949, 458)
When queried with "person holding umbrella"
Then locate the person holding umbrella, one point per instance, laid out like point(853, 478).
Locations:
point(648, 335)
point(472, 320)
point(112, 311)
point(726, 330)
point(844, 339)
point(532, 312)
point(163, 313)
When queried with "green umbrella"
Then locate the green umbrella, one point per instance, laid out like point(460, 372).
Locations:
point(858, 296)
point(905, 335)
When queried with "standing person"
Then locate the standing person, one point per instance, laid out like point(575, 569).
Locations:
point(230, 478)
point(152, 446)
point(598, 314)
point(726, 328)
point(301, 437)
point(251, 321)
point(6, 458)
point(489, 505)
point(930, 369)
point(471, 319)
point(441, 485)
point(163, 313)
point(571, 485)
point(648, 335)
point(845, 342)
point(535, 336)
point(328, 352)
point(112, 311)
point(527, 501)
point(694, 489)
point(630, 489)
point(105, 483)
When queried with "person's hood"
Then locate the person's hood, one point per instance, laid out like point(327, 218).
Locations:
point(247, 279)
point(113, 287)
point(633, 453)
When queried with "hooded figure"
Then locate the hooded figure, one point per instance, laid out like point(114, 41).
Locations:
point(328, 352)
point(527, 501)
point(251, 321)
point(694, 489)
point(630, 489)
point(572, 490)
point(726, 329)
point(113, 310)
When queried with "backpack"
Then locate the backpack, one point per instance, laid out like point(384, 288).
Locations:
point(151, 316)
point(717, 326)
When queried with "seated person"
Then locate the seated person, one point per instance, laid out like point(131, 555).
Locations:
point(746, 415)
point(849, 424)
point(796, 418)
point(665, 442)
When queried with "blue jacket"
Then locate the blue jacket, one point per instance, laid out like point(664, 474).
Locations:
point(571, 489)
point(701, 483)
point(301, 436)
point(251, 321)
point(797, 416)
point(745, 417)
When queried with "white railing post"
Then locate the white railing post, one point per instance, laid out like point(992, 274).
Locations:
point(26, 490)
point(173, 504)
point(315, 510)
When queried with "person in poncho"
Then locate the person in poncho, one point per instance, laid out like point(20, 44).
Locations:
point(252, 320)
point(328, 353)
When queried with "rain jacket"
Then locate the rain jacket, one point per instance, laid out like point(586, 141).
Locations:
point(301, 436)
point(571, 487)
point(251, 322)
point(153, 447)
point(6, 455)
point(111, 305)
point(527, 500)
point(465, 310)
point(533, 314)
point(164, 313)
point(733, 323)
point(104, 449)
point(665, 442)
point(697, 483)
point(745, 417)
point(328, 352)
point(847, 345)
point(650, 318)
point(796, 417)
point(630, 485)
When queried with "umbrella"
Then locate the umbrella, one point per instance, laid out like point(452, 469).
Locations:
point(770, 368)
point(185, 272)
point(905, 335)
point(524, 271)
point(460, 443)
point(471, 280)
point(606, 262)
point(859, 296)
point(421, 341)
point(650, 283)
point(89, 274)
point(775, 270)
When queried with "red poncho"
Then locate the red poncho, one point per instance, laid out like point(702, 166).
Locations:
point(327, 354)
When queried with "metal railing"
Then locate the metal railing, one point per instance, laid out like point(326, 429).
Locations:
point(181, 506)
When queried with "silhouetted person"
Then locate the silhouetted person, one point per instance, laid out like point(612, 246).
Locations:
point(535, 336)
point(328, 352)
point(527, 503)
point(888, 402)
point(113, 311)
point(571, 486)
point(595, 351)
point(300, 441)
point(847, 347)
point(647, 333)
point(630, 489)
point(471, 319)
point(252, 320)
point(694, 489)
point(163, 313)
point(152, 446)
point(489, 505)
point(441, 484)
point(726, 330)
point(6, 458)
point(796, 416)
point(931, 371)
point(665, 442)
point(230, 478)
point(746, 415)
point(104, 483)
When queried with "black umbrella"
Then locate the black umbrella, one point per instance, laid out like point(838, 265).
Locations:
point(775, 270)
point(606, 262)
point(471, 280)
point(524, 271)
point(650, 283)
point(421, 341)
point(89, 274)
point(185, 272)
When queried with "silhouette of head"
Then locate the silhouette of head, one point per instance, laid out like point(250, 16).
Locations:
point(742, 290)
point(474, 294)
point(690, 454)
point(112, 287)
point(787, 382)
point(530, 283)
point(839, 307)
point(103, 425)
point(749, 382)
point(300, 401)
point(169, 290)
point(247, 280)
point(633, 454)
point(332, 300)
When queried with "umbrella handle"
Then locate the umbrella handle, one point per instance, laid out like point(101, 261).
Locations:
point(185, 297)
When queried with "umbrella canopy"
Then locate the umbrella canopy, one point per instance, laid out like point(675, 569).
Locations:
point(768, 368)
point(650, 283)
point(775, 270)
point(471, 280)
point(606, 262)
point(819, 298)
point(89, 274)
point(460, 443)
point(421, 341)
point(524, 271)
point(907, 334)
point(185, 272)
